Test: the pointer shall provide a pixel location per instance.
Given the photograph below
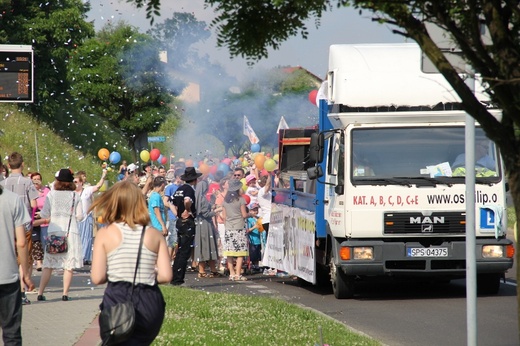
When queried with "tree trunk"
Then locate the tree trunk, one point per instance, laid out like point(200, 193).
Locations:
point(514, 188)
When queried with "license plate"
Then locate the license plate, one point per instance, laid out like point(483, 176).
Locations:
point(427, 252)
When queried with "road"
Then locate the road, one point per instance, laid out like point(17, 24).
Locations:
point(403, 314)
point(397, 314)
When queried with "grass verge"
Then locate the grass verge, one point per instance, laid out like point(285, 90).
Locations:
point(202, 318)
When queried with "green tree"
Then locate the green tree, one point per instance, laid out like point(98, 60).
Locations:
point(54, 28)
point(176, 35)
point(118, 75)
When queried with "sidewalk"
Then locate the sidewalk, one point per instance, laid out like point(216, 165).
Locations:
point(55, 322)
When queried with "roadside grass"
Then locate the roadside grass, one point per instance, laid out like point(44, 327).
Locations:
point(202, 318)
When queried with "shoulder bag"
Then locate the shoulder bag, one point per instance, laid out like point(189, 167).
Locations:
point(55, 244)
point(116, 323)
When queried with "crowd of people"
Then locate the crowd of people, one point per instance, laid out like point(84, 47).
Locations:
point(189, 221)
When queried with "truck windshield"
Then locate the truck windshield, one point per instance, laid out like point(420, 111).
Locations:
point(408, 155)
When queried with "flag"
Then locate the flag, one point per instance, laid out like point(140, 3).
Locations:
point(249, 132)
point(282, 125)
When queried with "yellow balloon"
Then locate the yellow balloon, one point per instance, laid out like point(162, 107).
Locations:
point(276, 157)
point(104, 187)
point(145, 155)
point(270, 165)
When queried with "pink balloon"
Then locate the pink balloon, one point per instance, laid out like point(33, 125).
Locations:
point(227, 161)
point(164, 160)
point(213, 169)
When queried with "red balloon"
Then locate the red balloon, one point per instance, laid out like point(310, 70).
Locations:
point(247, 199)
point(154, 154)
point(312, 96)
point(213, 169)
point(164, 160)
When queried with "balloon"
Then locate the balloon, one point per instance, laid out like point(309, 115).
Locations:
point(204, 168)
point(247, 199)
point(144, 155)
point(259, 161)
point(245, 163)
point(154, 154)
point(164, 160)
point(224, 168)
point(114, 157)
point(312, 96)
point(189, 163)
point(227, 161)
point(255, 148)
point(264, 171)
point(270, 165)
point(268, 155)
point(103, 154)
point(244, 184)
point(104, 187)
point(159, 159)
point(275, 157)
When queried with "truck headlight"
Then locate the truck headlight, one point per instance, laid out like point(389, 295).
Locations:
point(364, 253)
point(492, 251)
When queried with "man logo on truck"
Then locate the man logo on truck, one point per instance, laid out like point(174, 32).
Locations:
point(426, 220)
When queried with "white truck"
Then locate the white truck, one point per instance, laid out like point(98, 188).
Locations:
point(377, 188)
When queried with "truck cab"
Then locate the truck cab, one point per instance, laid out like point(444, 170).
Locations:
point(388, 164)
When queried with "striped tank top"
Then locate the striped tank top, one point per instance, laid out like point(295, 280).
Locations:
point(121, 261)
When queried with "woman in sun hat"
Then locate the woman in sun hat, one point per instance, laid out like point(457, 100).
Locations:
point(235, 239)
point(62, 210)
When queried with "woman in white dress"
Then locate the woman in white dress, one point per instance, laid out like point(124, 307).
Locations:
point(62, 209)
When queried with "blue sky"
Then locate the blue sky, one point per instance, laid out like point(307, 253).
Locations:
point(339, 26)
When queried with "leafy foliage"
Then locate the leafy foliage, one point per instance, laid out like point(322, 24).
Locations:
point(133, 97)
point(54, 28)
point(176, 35)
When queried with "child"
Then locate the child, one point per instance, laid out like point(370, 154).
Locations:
point(252, 188)
point(256, 236)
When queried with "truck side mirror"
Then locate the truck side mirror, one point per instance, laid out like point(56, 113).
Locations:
point(316, 148)
point(314, 172)
point(339, 189)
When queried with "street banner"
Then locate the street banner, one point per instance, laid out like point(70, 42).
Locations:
point(290, 242)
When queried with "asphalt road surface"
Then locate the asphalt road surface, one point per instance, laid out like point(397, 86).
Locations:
point(397, 314)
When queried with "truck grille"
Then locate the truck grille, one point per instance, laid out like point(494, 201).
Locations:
point(417, 223)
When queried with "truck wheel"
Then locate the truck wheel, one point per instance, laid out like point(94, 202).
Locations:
point(342, 284)
point(488, 284)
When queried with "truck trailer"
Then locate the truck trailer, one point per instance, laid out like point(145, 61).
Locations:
point(377, 188)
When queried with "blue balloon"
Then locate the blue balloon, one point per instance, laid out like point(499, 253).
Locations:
point(159, 159)
point(224, 168)
point(255, 148)
point(114, 157)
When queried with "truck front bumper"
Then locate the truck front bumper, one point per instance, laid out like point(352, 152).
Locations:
point(393, 258)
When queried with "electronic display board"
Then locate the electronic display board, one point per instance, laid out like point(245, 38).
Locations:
point(16, 73)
